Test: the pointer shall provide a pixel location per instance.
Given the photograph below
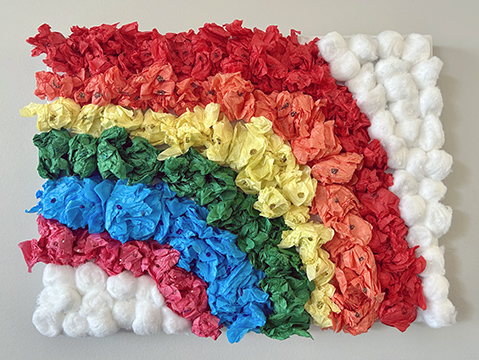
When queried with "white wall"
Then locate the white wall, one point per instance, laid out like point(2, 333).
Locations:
point(453, 26)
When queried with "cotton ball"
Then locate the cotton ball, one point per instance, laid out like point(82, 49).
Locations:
point(397, 152)
point(364, 47)
point(439, 314)
point(47, 321)
point(409, 131)
point(370, 102)
point(364, 80)
point(438, 164)
point(416, 161)
point(405, 110)
point(90, 277)
point(157, 298)
point(390, 67)
point(413, 209)
point(400, 87)
point(124, 313)
point(404, 184)
point(435, 287)
point(96, 301)
point(390, 43)
point(438, 218)
point(434, 256)
point(59, 298)
point(432, 190)
point(59, 275)
point(426, 73)
point(145, 285)
point(172, 323)
point(420, 236)
point(148, 318)
point(430, 101)
point(75, 325)
point(417, 48)
point(345, 67)
point(122, 286)
point(382, 125)
point(101, 323)
point(331, 46)
point(431, 135)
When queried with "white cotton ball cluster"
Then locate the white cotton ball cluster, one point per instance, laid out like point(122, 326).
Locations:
point(364, 80)
point(438, 164)
point(406, 110)
point(400, 87)
point(415, 162)
point(409, 131)
point(124, 313)
point(421, 236)
point(432, 190)
point(397, 151)
point(89, 277)
point(426, 73)
point(382, 125)
point(343, 63)
point(439, 313)
point(173, 323)
point(86, 302)
point(431, 136)
point(59, 298)
point(434, 256)
point(430, 101)
point(417, 48)
point(58, 274)
point(95, 301)
point(372, 101)
point(404, 184)
point(390, 44)
point(122, 286)
point(47, 321)
point(75, 325)
point(438, 218)
point(364, 47)
point(332, 46)
point(148, 318)
point(395, 86)
point(413, 209)
point(345, 67)
point(390, 67)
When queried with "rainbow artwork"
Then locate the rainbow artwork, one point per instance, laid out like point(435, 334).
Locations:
point(240, 180)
